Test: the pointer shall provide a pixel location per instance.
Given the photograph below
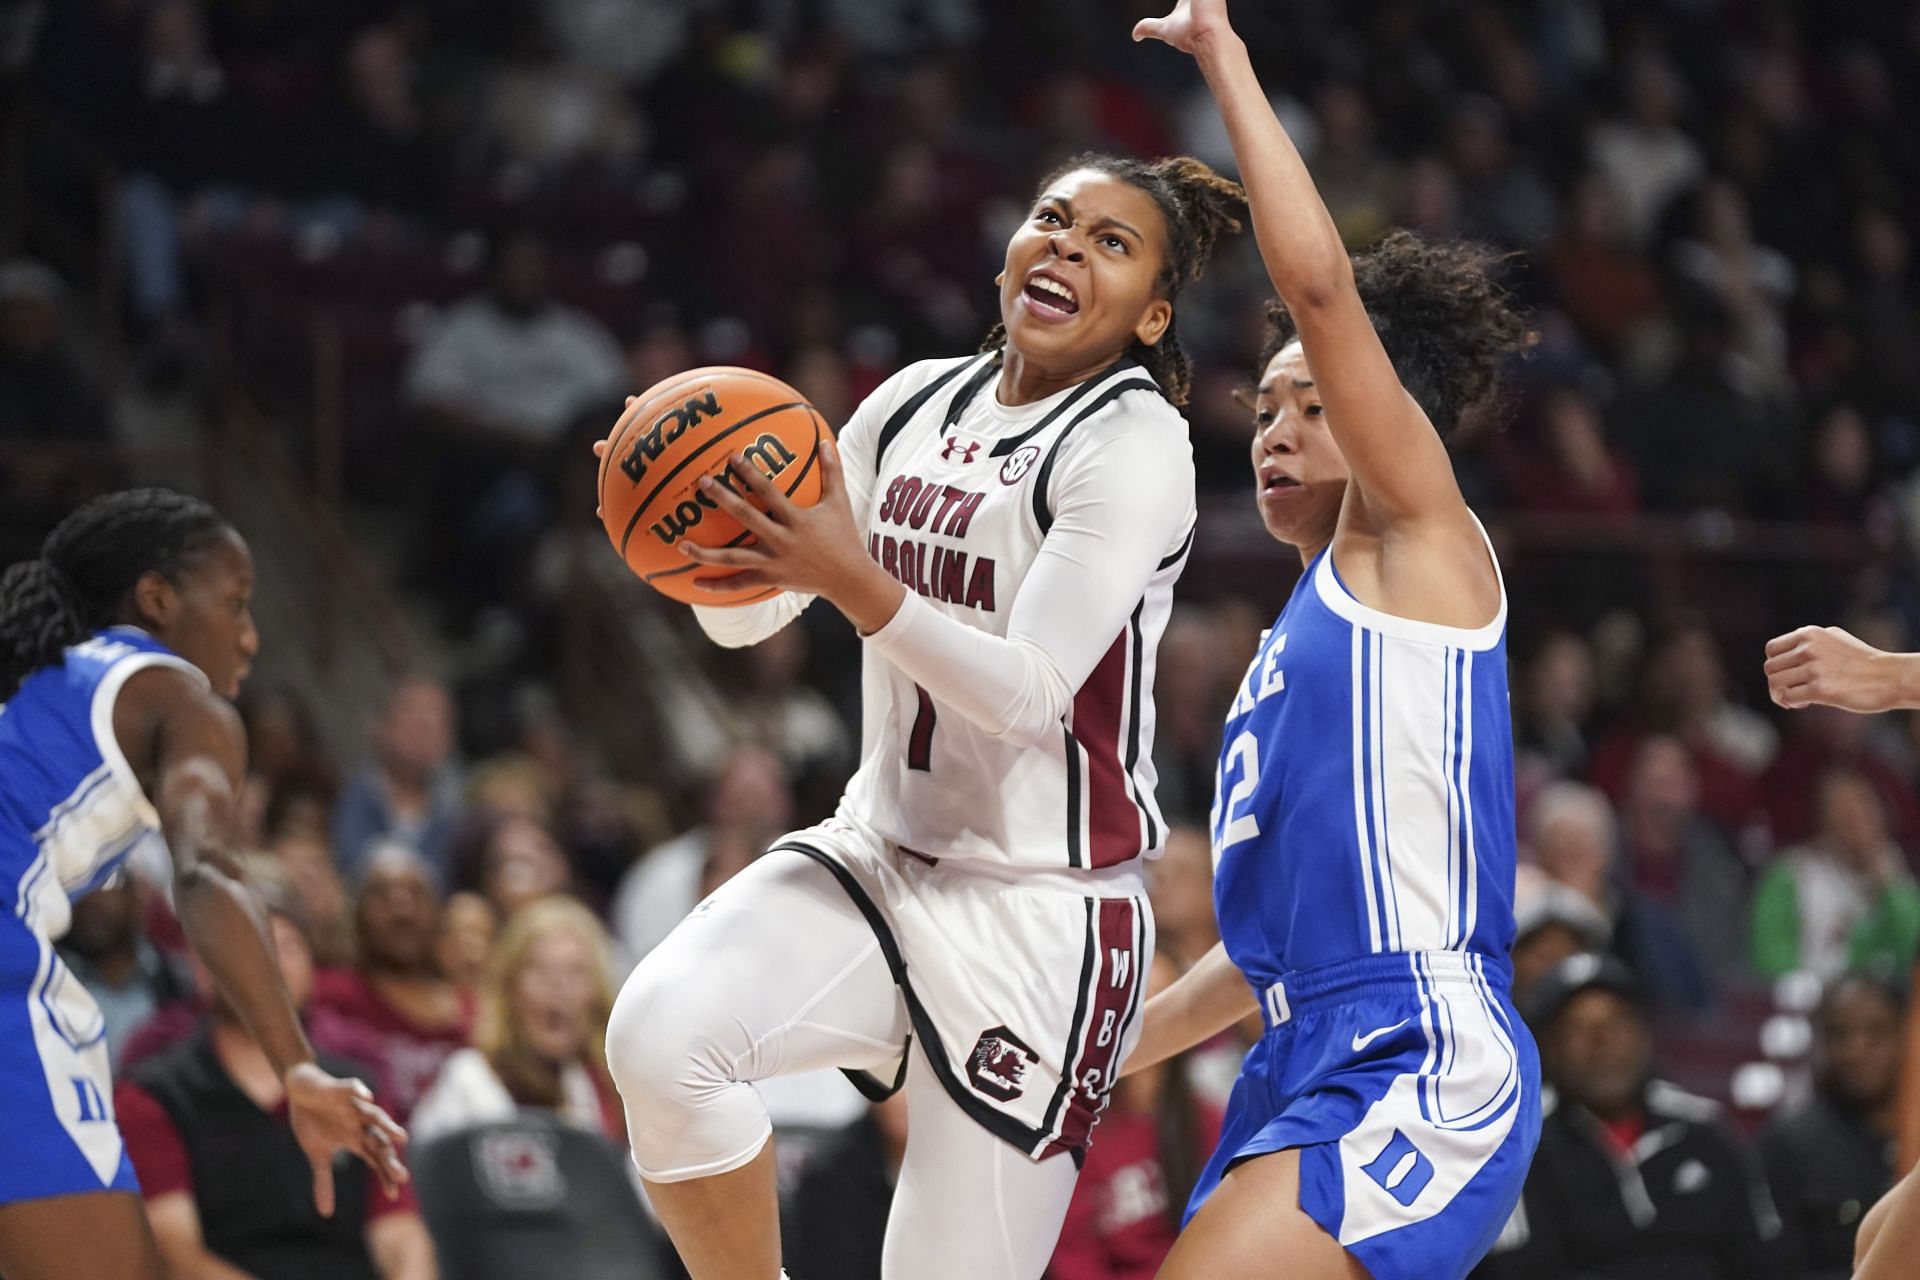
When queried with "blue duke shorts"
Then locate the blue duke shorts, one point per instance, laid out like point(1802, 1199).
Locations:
point(1412, 1091)
point(56, 1091)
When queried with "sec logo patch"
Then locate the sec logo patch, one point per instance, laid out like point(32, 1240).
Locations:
point(1018, 463)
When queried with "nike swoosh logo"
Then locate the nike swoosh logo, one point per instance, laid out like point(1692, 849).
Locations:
point(1361, 1042)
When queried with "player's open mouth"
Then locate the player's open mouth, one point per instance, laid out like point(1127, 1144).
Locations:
point(1050, 297)
point(1272, 480)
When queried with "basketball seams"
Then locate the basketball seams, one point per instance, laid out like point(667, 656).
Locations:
point(793, 488)
point(640, 508)
point(660, 390)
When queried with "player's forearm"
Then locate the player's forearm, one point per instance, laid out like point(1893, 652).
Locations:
point(1902, 681)
point(1298, 240)
point(1889, 1237)
point(1009, 688)
point(222, 920)
point(1200, 1004)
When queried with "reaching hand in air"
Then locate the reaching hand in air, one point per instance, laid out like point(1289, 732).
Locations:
point(1192, 24)
point(329, 1114)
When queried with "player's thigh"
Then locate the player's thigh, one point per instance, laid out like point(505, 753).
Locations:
point(969, 1206)
point(1251, 1219)
point(776, 972)
point(102, 1235)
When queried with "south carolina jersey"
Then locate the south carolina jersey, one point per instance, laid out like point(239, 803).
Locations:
point(71, 811)
point(1007, 710)
point(1364, 801)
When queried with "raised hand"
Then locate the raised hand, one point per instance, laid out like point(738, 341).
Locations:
point(1191, 24)
point(329, 1114)
point(1829, 667)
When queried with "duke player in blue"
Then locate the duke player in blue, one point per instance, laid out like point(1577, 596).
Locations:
point(120, 647)
point(1363, 825)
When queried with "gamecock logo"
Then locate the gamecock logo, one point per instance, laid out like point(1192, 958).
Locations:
point(999, 1063)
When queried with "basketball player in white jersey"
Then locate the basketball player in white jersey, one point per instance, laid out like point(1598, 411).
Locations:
point(1005, 530)
point(1363, 826)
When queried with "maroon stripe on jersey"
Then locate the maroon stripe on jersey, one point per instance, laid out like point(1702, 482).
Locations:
point(1113, 818)
point(1117, 977)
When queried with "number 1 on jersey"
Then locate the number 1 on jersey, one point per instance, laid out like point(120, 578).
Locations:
point(920, 741)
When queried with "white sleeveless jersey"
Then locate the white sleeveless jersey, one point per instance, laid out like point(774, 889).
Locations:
point(1007, 709)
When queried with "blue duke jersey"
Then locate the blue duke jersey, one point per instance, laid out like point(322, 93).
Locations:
point(1364, 860)
point(1364, 801)
point(71, 812)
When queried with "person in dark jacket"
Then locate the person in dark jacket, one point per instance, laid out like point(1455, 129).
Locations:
point(1831, 1157)
point(226, 1186)
point(1633, 1178)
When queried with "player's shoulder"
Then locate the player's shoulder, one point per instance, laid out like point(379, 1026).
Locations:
point(918, 375)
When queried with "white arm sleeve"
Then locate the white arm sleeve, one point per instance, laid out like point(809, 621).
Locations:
point(738, 627)
point(1120, 506)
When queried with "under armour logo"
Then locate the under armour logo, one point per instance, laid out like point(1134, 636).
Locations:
point(966, 451)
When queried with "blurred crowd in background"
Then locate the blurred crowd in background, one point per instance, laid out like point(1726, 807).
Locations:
point(512, 213)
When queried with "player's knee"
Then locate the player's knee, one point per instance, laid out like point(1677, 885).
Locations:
point(663, 1042)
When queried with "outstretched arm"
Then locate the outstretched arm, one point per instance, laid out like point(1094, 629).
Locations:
point(1202, 1002)
point(1398, 461)
point(195, 747)
point(1826, 666)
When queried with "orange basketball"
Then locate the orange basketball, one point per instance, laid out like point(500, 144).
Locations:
point(685, 428)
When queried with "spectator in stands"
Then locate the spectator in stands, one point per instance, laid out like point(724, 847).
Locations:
point(46, 397)
point(520, 862)
point(1568, 466)
point(1555, 707)
point(468, 927)
point(1633, 1178)
point(1575, 842)
point(836, 1220)
point(1829, 1158)
point(1155, 1137)
point(1604, 284)
point(410, 790)
point(749, 793)
point(226, 1183)
point(1553, 922)
point(1355, 179)
point(1844, 901)
point(509, 369)
point(540, 1036)
point(415, 1017)
point(285, 760)
point(1673, 854)
point(308, 865)
point(1819, 739)
point(498, 385)
point(1180, 884)
point(1642, 152)
point(1502, 199)
point(1681, 692)
point(127, 976)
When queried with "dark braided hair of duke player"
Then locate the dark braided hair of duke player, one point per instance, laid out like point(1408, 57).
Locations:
point(1444, 320)
point(87, 566)
point(1199, 206)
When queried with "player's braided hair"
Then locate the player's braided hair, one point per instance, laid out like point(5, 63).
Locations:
point(1200, 206)
point(1444, 320)
point(87, 566)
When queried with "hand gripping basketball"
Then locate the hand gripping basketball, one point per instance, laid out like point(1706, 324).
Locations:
point(684, 431)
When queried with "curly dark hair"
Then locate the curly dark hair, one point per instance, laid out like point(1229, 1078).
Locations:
point(1200, 206)
point(87, 566)
point(1445, 321)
